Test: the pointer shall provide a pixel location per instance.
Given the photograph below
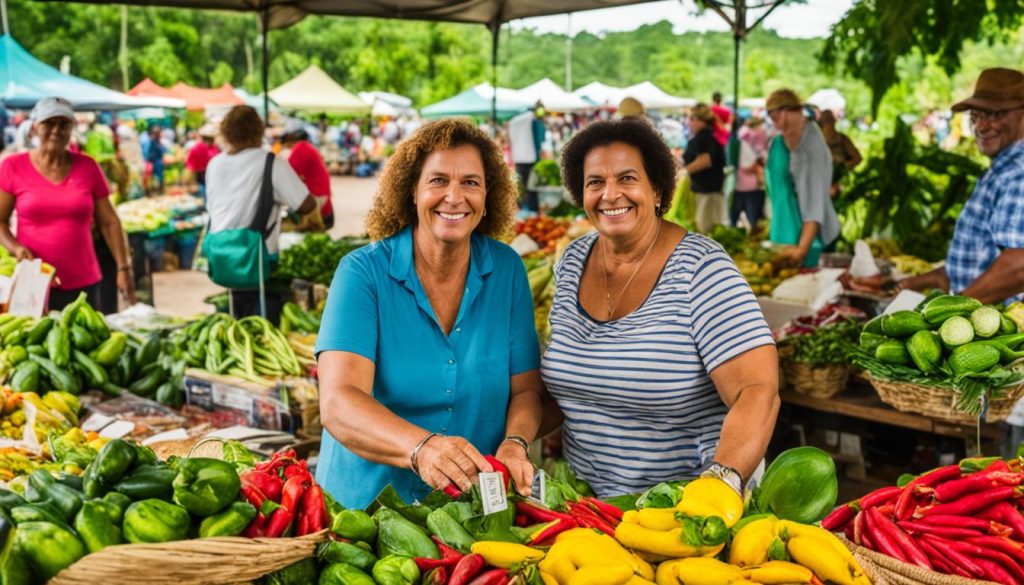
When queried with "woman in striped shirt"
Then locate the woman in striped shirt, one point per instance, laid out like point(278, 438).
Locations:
point(660, 361)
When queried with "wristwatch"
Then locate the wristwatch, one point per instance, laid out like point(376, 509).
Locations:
point(726, 474)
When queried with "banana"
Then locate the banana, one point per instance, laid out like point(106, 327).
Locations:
point(778, 573)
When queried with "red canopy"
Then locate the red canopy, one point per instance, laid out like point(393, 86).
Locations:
point(196, 98)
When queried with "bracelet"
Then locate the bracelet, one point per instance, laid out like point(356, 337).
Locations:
point(519, 441)
point(416, 451)
point(124, 268)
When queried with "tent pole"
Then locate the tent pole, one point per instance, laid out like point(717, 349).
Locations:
point(495, 29)
point(265, 20)
point(3, 16)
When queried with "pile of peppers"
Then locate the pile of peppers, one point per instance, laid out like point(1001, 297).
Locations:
point(289, 501)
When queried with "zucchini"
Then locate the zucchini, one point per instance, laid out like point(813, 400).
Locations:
point(874, 325)
point(956, 331)
point(150, 351)
point(939, 309)
point(893, 352)
point(925, 350)
point(37, 335)
point(95, 376)
point(973, 358)
point(59, 377)
point(58, 346)
point(870, 341)
point(147, 384)
point(903, 324)
point(26, 377)
point(82, 339)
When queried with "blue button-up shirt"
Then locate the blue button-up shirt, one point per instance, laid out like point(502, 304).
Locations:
point(455, 385)
point(991, 221)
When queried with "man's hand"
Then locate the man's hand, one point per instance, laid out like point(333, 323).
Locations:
point(519, 467)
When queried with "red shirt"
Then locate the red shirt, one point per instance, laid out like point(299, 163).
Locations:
point(311, 169)
point(55, 219)
point(722, 127)
point(200, 156)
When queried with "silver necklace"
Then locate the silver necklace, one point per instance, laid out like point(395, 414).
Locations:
point(607, 290)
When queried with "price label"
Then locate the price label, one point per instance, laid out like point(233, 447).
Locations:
point(540, 481)
point(492, 492)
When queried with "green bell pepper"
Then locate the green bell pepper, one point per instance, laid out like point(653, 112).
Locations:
point(231, 522)
point(13, 566)
point(148, 481)
point(112, 462)
point(48, 548)
point(354, 525)
point(205, 486)
point(42, 487)
point(344, 574)
point(97, 525)
point(335, 551)
point(155, 521)
point(36, 513)
point(300, 573)
point(10, 500)
point(396, 570)
point(110, 350)
point(119, 500)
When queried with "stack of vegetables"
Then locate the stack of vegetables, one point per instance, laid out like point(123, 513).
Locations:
point(75, 350)
point(149, 214)
point(950, 341)
point(250, 348)
point(315, 258)
point(963, 519)
point(822, 339)
point(540, 273)
point(283, 498)
point(547, 232)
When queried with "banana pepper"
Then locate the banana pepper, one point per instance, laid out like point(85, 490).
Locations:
point(709, 496)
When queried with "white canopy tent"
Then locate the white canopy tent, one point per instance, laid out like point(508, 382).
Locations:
point(314, 91)
point(600, 94)
point(655, 98)
point(388, 104)
point(553, 97)
point(828, 99)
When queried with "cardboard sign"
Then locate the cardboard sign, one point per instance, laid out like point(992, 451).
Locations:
point(31, 289)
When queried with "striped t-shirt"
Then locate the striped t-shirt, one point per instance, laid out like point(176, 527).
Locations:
point(640, 407)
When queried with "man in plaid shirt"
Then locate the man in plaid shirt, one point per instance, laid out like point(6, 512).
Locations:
point(986, 257)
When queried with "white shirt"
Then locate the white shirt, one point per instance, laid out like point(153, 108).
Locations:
point(520, 137)
point(233, 184)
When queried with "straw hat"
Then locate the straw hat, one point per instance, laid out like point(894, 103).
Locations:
point(783, 98)
point(630, 107)
point(754, 121)
point(996, 89)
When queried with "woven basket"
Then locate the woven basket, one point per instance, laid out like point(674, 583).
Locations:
point(885, 570)
point(937, 402)
point(823, 382)
point(206, 561)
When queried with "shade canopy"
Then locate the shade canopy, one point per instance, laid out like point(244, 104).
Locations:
point(600, 94)
point(24, 80)
point(553, 97)
point(385, 103)
point(314, 91)
point(828, 99)
point(196, 99)
point(476, 101)
point(655, 98)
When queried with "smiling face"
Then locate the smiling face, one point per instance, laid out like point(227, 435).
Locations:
point(54, 133)
point(994, 132)
point(451, 193)
point(618, 198)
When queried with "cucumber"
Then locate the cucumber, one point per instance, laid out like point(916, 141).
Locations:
point(60, 378)
point(95, 376)
point(893, 352)
point(973, 358)
point(925, 350)
point(939, 309)
point(903, 323)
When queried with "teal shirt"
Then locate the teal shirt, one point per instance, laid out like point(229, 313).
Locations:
point(456, 385)
point(786, 221)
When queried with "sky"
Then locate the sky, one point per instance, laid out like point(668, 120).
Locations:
point(811, 19)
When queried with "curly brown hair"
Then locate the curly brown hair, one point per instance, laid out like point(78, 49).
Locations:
point(659, 164)
point(242, 127)
point(393, 207)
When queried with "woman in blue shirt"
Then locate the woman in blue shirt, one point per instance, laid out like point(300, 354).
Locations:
point(427, 353)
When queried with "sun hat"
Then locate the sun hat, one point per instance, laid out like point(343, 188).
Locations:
point(996, 89)
point(52, 107)
point(783, 98)
point(630, 107)
point(754, 121)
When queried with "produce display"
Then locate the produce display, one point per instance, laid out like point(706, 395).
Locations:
point(149, 214)
point(315, 258)
point(250, 348)
point(821, 339)
point(756, 263)
point(949, 341)
point(964, 519)
point(546, 231)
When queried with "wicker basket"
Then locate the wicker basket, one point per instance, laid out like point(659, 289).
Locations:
point(885, 570)
point(938, 402)
point(206, 561)
point(823, 382)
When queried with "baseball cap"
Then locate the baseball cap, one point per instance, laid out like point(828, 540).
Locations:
point(52, 107)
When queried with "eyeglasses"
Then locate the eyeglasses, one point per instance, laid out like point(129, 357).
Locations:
point(989, 115)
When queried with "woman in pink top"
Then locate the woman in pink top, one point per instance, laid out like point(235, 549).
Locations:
point(58, 195)
point(749, 197)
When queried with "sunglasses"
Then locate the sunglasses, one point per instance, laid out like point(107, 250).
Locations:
point(990, 115)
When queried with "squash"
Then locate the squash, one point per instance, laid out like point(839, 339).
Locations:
point(800, 485)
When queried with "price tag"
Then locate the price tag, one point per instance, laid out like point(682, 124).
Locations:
point(492, 492)
point(539, 487)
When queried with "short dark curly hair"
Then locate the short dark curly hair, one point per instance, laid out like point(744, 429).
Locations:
point(243, 127)
point(659, 164)
point(393, 207)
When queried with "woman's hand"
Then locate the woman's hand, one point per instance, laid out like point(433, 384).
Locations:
point(126, 284)
point(519, 467)
point(443, 460)
point(22, 253)
point(791, 256)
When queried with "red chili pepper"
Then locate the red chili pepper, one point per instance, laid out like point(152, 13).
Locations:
point(995, 572)
point(429, 564)
point(945, 547)
point(467, 568)
point(1002, 544)
point(551, 530)
point(253, 495)
point(537, 513)
point(984, 526)
point(436, 576)
point(939, 530)
point(609, 511)
point(492, 577)
point(448, 554)
point(452, 492)
point(586, 517)
point(269, 485)
point(279, 523)
point(971, 503)
point(839, 518)
point(500, 468)
point(879, 497)
point(256, 527)
point(882, 540)
point(1005, 561)
point(977, 482)
point(904, 503)
point(910, 548)
point(859, 529)
point(277, 461)
point(312, 511)
point(1005, 513)
point(298, 469)
point(940, 560)
point(292, 493)
point(521, 520)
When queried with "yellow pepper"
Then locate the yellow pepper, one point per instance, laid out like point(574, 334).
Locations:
point(709, 496)
point(602, 575)
point(751, 544)
point(778, 573)
point(505, 554)
point(699, 571)
point(658, 518)
point(666, 543)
